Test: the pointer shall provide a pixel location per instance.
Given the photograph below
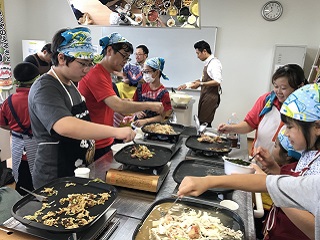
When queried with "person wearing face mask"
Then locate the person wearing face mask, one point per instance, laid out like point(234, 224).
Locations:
point(152, 90)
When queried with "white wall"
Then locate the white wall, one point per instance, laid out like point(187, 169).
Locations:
point(244, 40)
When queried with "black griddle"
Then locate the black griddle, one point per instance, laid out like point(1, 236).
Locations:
point(161, 156)
point(227, 217)
point(178, 128)
point(28, 205)
point(215, 148)
point(198, 168)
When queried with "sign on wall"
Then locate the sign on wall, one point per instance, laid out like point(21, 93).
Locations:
point(5, 68)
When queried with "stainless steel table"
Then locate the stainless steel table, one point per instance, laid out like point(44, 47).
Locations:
point(132, 204)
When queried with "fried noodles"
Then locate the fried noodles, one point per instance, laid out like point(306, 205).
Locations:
point(160, 129)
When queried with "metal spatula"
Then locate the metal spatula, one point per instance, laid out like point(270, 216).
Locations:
point(40, 198)
point(164, 213)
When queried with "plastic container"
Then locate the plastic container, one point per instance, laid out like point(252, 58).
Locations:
point(234, 137)
point(82, 172)
point(234, 168)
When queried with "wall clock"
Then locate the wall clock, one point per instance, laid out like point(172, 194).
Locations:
point(272, 10)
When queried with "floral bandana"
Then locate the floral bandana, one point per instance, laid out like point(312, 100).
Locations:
point(157, 63)
point(285, 143)
point(111, 39)
point(77, 43)
point(303, 104)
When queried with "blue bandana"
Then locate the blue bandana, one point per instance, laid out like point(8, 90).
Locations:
point(77, 43)
point(303, 104)
point(285, 143)
point(111, 39)
point(157, 63)
point(269, 103)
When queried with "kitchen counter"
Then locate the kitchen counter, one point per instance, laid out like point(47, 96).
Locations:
point(132, 204)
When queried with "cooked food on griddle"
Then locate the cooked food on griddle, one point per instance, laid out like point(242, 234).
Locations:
point(208, 139)
point(50, 191)
point(192, 224)
point(74, 215)
point(141, 152)
point(216, 149)
point(70, 184)
point(160, 129)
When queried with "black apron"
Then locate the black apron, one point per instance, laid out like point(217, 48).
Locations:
point(71, 150)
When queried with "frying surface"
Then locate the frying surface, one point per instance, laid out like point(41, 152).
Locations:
point(227, 217)
point(197, 168)
point(218, 148)
point(160, 157)
point(178, 128)
point(28, 205)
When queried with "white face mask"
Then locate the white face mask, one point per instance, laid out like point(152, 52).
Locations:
point(148, 78)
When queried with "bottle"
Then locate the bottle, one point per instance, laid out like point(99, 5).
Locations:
point(234, 137)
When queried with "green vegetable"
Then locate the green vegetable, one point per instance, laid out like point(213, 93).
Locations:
point(239, 162)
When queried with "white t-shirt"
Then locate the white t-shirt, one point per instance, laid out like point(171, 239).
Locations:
point(214, 69)
point(297, 192)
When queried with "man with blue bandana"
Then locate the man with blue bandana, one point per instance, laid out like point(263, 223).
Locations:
point(59, 117)
point(97, 88)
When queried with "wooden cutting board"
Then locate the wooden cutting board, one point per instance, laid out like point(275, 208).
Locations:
point(8, 234)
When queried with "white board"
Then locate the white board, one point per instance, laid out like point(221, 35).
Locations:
point(31, 46)
point(174, 45)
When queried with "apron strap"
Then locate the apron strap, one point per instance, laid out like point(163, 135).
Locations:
point(16, 117)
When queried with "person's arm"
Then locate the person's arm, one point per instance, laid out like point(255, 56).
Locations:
point(240, 128)
point(303, 220)
point(195, 186)
point(270, 166)
point(119, 105)
point(75, 128)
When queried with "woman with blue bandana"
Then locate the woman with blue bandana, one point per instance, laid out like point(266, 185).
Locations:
point(97, 88)
point(59, 116)
point(264, 116)
point(152, 90)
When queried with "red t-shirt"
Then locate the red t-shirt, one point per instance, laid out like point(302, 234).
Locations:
point(95, 87)
point(252, 117)
point(20, 105)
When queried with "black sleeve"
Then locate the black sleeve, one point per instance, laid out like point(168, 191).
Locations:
point(31, 59)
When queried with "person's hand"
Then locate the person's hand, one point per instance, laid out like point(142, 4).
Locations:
point(257, 168)
point(195, 85)
point(140, 122)
point(269, 165)
point(141, 114)
point(125, 133)
point(181, 87)
point(224, 128)
point(192, 186)
point(156, 107)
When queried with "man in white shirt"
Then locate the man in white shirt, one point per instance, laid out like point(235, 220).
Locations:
point(210, 83)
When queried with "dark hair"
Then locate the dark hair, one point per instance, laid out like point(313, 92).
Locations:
point(126, 46)
point(305, 129)
point(47, 48)
point(144, 49)
point(56, 41)
point(202, 45)
point(293, 72)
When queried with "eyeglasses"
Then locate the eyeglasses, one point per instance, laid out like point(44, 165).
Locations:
point(85, 65)
point(127, 59)
point(146, 71)
point(139, 54)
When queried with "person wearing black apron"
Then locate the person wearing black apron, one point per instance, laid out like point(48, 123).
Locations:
point(210, 83)
point(59, 117)
point(42, 60)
